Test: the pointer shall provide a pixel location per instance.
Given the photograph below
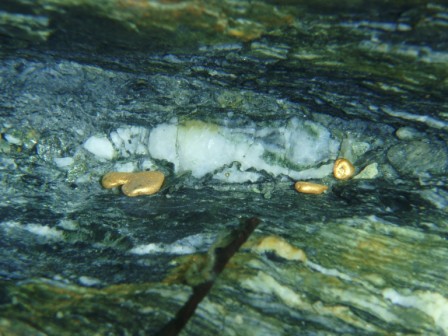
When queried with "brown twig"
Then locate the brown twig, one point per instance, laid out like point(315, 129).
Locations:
point(222, 257)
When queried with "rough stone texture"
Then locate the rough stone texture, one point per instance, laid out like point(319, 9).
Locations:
point(419, 158)
point(79, 259)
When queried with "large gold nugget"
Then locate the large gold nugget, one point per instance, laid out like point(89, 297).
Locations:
point(310, 188)
point(343, 169)
point(143, 183)
point(115, 179)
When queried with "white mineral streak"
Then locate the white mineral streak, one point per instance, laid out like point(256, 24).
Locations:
point(432, 304)
point(100, 146)
point(204, 148)
point(267, 285)
point(130, 140)
point(429, 121)
point(127, 167)
point(329, 271)
point(297, 148)
point(187, 245)
point(44, 231)
point(234, 175)
point(154, 248)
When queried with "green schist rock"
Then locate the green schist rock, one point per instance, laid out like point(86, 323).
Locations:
point(366, 80)
point(418, 158)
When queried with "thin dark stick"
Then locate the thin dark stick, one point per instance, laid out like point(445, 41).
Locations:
point(222, 256)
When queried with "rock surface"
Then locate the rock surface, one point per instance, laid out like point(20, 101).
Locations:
point(418, 158)
point(259, 94)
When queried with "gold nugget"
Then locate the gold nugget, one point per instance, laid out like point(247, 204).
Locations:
point(143, 183)
point(310, 188)
point(343, 169)
point(135, 184)
point(115, 179)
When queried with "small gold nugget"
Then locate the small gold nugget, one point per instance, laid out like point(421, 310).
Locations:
point(310, 188)
point(135, 184)
point(143, 183)
point(343, 169)
point(115, 179)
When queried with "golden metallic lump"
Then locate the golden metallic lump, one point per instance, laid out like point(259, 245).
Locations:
point(309, 188)
point(135, 184)
point(343, 169)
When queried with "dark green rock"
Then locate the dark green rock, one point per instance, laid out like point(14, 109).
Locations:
point(76, 259)
point(419, 158)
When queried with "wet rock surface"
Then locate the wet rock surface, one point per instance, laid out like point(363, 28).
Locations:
point(300, 85)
